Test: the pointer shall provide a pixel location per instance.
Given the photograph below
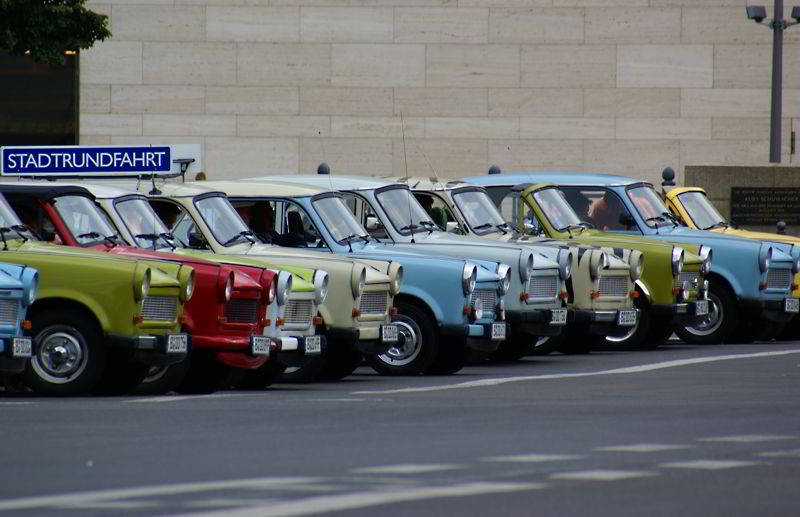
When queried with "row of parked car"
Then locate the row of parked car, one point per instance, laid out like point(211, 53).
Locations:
point(149, 286)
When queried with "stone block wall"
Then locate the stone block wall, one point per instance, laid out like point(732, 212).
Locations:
point(389, 86)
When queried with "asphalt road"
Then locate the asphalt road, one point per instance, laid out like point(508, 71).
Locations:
point(682, 430)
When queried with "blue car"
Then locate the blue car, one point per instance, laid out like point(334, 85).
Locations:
point(19, 286)
point(749, 283)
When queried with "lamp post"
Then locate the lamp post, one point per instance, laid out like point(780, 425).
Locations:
point(758, 13)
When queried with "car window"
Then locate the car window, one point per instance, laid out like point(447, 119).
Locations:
point(366, 216)
point(650, 206)
point(703, 213)
point(83, 219)
point(437, 209)
point(599, 206)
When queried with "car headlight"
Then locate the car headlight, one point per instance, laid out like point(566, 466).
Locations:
point(796, 265)
point(141, 282)
point(636, 264)
point(284, 287)
point(187, 279)
point(677, 260)
point(504, 272)
point(526, 264)
point(565, 263)
point(358, 280)
point(764, 257)
point(272, 293)
point(228, 288)
point(33, 292)
point(469, 277)
point(599, 261)
point(30, 282)
point(320, 286)
point(396, 273)
point(477, 309)
point(705, 254)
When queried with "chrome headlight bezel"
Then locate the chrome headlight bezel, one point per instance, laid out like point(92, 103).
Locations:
point(636, 265)
point(321, 280)
point(141, 282)
point(678, 255)
point(358, 280)
point(705, 253)
point(764, 258)
point(598, 262)
point(188, 282)
point(565, 264)
point(30, 282)
point(504, 272)
point(526, 265)
point(469, 277)
point(283, 288)
point(396, 274)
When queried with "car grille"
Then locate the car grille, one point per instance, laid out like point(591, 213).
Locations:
point(614, 286)
point(162, 308)
point(297, 312)
point(373, 303)
point(242, 310)
point(8, 312)
point(691, 276)
point(779, 279)
point(488, 298)
point(543, 286)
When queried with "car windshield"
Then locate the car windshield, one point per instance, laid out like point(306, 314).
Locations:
point(479, 211)
point(10, 221)
point(650, 206)
point(145, 226)
point(338, 219)
point(226, 225)
point(83, 219)
point(560, 214)
point(700, 209)
point(404, 211)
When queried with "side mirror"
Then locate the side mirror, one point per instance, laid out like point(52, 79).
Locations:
point(627, 220)
point(373, 223)
point(452, 227)
point(197, 241)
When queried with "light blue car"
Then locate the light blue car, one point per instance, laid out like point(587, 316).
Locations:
point(535, 303)
point(749, 283)
point(19, 286)
point(446, 306)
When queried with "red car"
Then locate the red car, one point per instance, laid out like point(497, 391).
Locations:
point(225, 316)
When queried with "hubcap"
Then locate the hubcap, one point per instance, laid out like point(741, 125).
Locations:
point(621, 338)
point(155, 373)
point(712, 321)
point(401, 355)
point(60, 358)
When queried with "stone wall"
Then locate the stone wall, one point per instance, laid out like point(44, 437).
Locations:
point(385, 86)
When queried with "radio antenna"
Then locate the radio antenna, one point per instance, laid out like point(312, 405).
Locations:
point(405, 165)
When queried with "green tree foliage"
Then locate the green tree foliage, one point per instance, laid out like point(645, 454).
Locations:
point(48, 28)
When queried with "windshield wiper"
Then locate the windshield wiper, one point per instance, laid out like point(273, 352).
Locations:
point(19, 228)
point(168, 238)
point(410, 227)
point(672, 218)
point(576, 226)
point(503, 228)
point(112, 239)
point(657, 218)
point(89, 235)
point(428, 225)
point(247, 234)
point(152, 237)
point(483, 226)
point(349, 240)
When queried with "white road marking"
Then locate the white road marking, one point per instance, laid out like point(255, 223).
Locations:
point(795, 453)
point(710, 464)
point(225, 502)
point(79, 498)
point(352, 501)
point(642, 447)
point(604, 475)
point(617, 371)
point(110, 505)
point(177, 398)
point(405, 469)
point(15, 403)
point(533, 458)
point(748, 438)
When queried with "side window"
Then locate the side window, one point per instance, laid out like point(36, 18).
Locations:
point(34, 217)
point(507, 208)
point(599, 206)
point(366, 216)
point(179, 222)
point(437, 209)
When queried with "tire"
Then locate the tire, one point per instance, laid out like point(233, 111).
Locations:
point(546, 345)
point(70, 358)
point(261, 377)
point(757, 330)
point(513, 349)
point(307, 372)
point(722, 320)
point(120, 376)
point(340, 364)
point(204, 375)
point(450, 360)
point(659, 333)
point(577, 342)
point(791, 332)
point(639, 336)
point(162, 379)
point(420, 348)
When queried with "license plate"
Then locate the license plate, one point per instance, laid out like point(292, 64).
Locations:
point(498, 331)
point(313, 345)
point(559, 317)
point(701, 307)
point(259, 345)
point(389, 333)
point(626, 318)
point(792, 304)
point(177, 344)
point(21, 347)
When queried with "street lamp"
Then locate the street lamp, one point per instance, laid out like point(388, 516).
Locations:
point(758, 13)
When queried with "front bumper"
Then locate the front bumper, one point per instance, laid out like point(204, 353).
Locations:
point(600, 321)
point(770, 310)
point(292, 351)
point(478, 336)
point(536, 322)
point(148, 348)
point(684, 313)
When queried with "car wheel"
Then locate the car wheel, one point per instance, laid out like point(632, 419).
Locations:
point(721, 321)
point(578, 341)
point(69, 360)
point(546, 345)
point(261, 377)
point(639, 336)
point(791, 332)
point(205, 375)
point(162, 379)
point(340, 364)
point(757, 330)
point(418, 348)
point(120, 376)
point(309, 370)
point(514, 348)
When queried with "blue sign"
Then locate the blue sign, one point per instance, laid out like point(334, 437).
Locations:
point(44, 161)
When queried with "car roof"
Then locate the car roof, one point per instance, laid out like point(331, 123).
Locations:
point(267, 186)
point(423, 183)
point(331, 181)
point(560, 178)
point(43, 190)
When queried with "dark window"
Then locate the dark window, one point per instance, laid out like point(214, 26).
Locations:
point(38, 103)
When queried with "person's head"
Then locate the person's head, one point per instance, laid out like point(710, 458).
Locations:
point(200, 176)
point(262, 218)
